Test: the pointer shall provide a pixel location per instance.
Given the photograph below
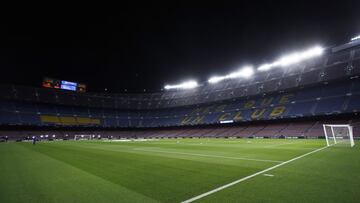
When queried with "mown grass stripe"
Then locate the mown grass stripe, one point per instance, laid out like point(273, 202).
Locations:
point(206, 155)
point(250, 176)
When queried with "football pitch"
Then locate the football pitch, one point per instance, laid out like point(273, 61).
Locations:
point(178, 170)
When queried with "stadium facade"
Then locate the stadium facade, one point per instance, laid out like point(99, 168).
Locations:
point(290, 101)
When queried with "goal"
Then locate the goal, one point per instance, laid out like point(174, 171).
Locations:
point(339, 134)
point(82, 137)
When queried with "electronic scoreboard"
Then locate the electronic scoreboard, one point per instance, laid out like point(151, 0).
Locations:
point(64, 85)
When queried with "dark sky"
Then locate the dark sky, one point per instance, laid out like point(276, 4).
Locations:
point(138, 47)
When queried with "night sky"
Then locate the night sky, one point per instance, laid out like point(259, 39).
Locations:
point(137, 47)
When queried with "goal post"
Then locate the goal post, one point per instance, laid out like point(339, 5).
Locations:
point(338, 134)
point(82, 137)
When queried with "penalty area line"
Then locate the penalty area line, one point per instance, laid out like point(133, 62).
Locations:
point(250, 176)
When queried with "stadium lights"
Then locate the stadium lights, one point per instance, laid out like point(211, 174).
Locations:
point(355, 38)
point(293, 58)
point(185, 85)
point(227, 121)
point(242, 73)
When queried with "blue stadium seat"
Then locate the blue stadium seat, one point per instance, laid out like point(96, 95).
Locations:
point(301, 109)
point(7, 105)
point(47, 109)
point(289, 82)
point(65, 111)
point(310, 77)
point(310, 94)
point(26, 107)
point(335, 72)
point(338, 89)
point(355, 86)
point(356, 67)
point(354, 103)
point(330, 105)
point(8, 117)
point(110, 122)
point(29, 119)
point(339, 57)
point(357, 53)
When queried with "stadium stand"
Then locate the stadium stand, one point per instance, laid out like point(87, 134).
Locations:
point(325, 86)
point(296, 129)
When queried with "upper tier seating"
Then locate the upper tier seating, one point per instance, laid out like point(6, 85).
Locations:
point(324, 99)
point(332, 66)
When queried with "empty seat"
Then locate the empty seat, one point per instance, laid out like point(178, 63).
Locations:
point(354, 104)
point(289, 82)
point(29, 119)
point(335, 72)
point(330, 105)
point(310, 77)
point(301, 109)
point(338, 58)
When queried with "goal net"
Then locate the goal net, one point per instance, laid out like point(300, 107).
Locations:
point(82, 137)
point(339, 135)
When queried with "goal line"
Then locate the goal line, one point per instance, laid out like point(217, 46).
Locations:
point(251, 176)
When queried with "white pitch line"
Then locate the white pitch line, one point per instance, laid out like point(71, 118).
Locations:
point(207, 155)
point(250, 176)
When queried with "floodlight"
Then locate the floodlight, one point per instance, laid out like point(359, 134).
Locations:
point(355, 38)
point(227, 121)
point(266, 67)
point(185, 85)
point(242, 73)
point(293, 58)
point(246, 72)
point(215, 79)
point(297, 57)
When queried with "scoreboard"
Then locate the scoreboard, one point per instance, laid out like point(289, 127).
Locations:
point(64, 85)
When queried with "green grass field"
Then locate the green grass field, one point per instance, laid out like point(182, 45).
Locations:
point(173, 170)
